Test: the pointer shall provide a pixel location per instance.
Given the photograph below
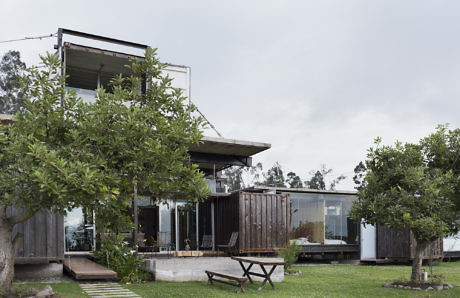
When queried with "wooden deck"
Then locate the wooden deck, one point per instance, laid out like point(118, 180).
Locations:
point(83, 268)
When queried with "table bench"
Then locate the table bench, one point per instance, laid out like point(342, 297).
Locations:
point(239, 280)
point(262, 262)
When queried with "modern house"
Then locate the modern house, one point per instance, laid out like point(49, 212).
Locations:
point(49, 238)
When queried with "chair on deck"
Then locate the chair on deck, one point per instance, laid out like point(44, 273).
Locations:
point(206, 243)
point(231, 244)
point(163, 242)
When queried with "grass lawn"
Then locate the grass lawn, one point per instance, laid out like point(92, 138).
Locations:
point(315, 281)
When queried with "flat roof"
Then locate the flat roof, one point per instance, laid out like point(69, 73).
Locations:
point(229, 147)
point(299, 190)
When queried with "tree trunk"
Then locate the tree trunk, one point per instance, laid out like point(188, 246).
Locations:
point(8, 248)
point(417, 262)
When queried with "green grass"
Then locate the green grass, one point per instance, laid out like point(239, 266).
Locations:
point(315, 281)
point(64, 289)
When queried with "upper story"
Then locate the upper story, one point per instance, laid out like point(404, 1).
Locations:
point(88, 67)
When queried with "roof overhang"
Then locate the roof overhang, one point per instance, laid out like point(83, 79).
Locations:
point(297, 190)
point(219, 153)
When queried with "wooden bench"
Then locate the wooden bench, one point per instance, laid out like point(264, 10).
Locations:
point(239, 280)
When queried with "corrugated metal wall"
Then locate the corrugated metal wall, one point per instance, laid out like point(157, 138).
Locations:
point(400, 244)
point(263, 221)
point(43, 237)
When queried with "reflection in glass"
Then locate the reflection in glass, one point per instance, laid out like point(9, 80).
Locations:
point(186, 213)
point(79, 230)
point(322, 219)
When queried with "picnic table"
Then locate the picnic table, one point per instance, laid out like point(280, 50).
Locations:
point(262, 262)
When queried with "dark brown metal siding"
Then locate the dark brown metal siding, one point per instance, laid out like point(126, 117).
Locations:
point(263, 221)
point(225, 218)
point(400, 244)
point(43, 237)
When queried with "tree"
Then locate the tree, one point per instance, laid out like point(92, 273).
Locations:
point(61, 153)
point(360, 173)
point(293, 180)
point(242, 177)
point(317, 181)
point(274, 177)
point(413, 186)
point(234, 177)
point(11, 68)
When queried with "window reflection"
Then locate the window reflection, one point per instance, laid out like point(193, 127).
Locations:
point(322, 219)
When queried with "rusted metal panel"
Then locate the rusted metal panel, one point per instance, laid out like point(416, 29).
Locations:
point(43, 237)
point(399, 244)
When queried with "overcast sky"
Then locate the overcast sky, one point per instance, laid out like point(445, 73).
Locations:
point(319, 80)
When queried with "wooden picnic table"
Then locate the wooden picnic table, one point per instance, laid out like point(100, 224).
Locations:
point(262, 262)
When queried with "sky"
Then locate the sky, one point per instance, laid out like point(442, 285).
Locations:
point(318, 80)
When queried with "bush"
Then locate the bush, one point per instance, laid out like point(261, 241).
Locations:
point(114, 253)
point(290, 253)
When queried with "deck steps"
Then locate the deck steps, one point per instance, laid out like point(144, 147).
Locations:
point(82, 268)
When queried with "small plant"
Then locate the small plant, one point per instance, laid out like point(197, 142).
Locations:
point(114, 253)
point(290, 254)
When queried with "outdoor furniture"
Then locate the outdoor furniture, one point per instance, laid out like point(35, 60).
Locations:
point(262, 262)
point(239, 280)
point(206, 243)
point(163, 242)
point(231, 244)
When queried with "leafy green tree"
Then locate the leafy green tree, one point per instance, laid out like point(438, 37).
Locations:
point(360, 173)
point(273, 177)
point(234, 177)
point(242, 177)
point(61, 153)
point(293, 180)
point(414, 186)
point(318, 179)
point(11, 97)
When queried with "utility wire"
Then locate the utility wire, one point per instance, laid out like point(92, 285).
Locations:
point(29, 38)
point(209, 122)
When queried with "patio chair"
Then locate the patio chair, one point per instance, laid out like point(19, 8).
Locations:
point(206, 243)
point(231, 244)
point(163, 242)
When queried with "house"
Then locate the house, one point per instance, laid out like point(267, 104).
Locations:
point(319, 221)
point(50, 238)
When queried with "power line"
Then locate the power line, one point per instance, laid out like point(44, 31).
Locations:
point(209, 122)
point(29, 38)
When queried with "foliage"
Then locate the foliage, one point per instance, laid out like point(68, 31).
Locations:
point(61, 153)
point(11, 97)
point(318, 179)
point(293, 180)
point(114, 253)
point(290, 254)
point(360, 174)
point(239, 177)
point(413, 186)
point(274, 177)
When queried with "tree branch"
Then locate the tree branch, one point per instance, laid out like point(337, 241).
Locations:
point(19, 218)
point(2, 211)
point(17, 241)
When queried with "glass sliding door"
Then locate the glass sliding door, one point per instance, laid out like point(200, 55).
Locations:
point(187, 225)
point(79, 230)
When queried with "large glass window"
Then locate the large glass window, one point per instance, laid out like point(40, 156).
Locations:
point(322, 219)
point(79, 230)
point(186, 217)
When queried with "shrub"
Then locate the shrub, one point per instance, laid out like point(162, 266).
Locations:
point(114, 253)
point(290, 253)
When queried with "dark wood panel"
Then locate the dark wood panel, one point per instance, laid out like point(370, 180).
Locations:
point(43, 237)
point(400, 244)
